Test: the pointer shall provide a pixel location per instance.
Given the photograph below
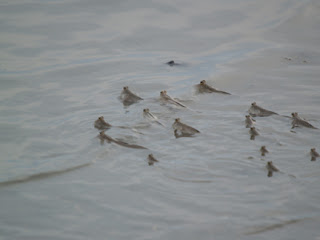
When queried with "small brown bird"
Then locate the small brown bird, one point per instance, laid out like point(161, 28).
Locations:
point(249, 121)
point(257, 111)
point(263, 150)
point(271, 168)
point(104, 137)
point(151, 159)
point(129, 97)
point(314, 154)
point(297, 121)
point(164, 96)
point(253, 133)
point(151, 117)
point(101, 124)
point(183, 128)
point(203, 87)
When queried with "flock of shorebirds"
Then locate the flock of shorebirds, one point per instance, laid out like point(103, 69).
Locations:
point(183, 130)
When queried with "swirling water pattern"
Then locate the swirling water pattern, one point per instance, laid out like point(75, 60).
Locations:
point(64, 63)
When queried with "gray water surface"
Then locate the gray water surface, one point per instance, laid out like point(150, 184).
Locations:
point(64, 63)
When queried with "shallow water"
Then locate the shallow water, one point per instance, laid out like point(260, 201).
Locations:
point(64, 63)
